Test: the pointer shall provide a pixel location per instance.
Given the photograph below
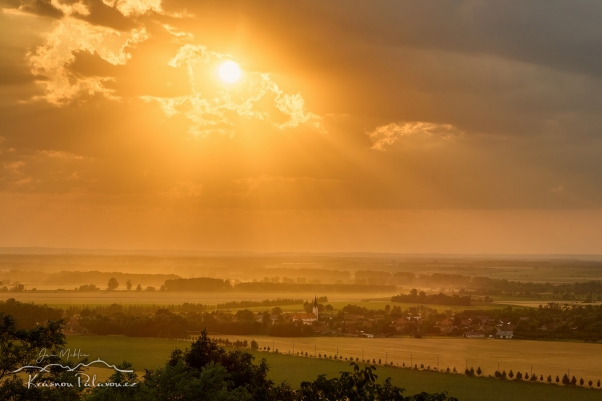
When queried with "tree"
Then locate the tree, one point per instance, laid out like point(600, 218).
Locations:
point(359, 385)
point(112, 284)
point(557, 379)
point(549, 378)
point(479, 371)
point(139, 288)
point(254, 344)
point(245, 315)
point(565, 380)
point(277, 311)
point(511, 374)
point(573, 381)
point(21, 347)
point(519, 375)
point(590, 383)
point(581, 381)
point(128, 284)
point(598, 383)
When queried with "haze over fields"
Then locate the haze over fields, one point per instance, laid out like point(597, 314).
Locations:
point(380, 126)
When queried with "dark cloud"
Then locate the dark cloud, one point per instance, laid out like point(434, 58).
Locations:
point(88, 64)
point(40, 7)
point(101, 14)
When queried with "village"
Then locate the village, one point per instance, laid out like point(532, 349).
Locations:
point(322, 319)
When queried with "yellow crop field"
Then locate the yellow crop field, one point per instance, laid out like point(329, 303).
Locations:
point(540, 357)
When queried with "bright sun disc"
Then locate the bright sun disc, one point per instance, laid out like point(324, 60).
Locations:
point(229, 71)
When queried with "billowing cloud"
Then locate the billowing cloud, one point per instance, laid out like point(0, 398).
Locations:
point(208, 108)
point(72, 35)
point(422, 132)
point(135, 7)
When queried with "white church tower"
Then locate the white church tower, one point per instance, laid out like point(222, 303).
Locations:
point(315, 308)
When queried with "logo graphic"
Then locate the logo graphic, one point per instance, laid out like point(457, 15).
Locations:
point(81, 379)
point(70, 369)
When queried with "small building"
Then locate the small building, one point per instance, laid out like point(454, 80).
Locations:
point(504, 333)
point(306, 318)
point(74, 328)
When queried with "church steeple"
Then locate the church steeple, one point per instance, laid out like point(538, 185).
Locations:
point(315, 308)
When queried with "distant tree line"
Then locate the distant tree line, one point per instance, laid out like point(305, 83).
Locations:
point(87, 311)
point(439, 299)
point(28, 315)
point(197, 284)
point(265, 302)
point(320, 288)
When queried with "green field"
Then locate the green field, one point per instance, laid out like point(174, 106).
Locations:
point(152, 353)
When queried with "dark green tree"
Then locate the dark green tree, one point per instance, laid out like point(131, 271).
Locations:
point(565, 380)
point(22, 347)
point(112, 284)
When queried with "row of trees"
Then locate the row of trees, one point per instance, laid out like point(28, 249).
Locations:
point(265, 303)
point(534, 378)
point(440, 299)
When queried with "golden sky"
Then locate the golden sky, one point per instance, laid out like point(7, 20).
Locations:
point(386, 126)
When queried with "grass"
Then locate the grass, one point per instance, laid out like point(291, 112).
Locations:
point(295, 370)
point(152, 353)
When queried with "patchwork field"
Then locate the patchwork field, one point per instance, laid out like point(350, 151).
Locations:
point(152, 353)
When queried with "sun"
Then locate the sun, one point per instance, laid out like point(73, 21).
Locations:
point(229, 72)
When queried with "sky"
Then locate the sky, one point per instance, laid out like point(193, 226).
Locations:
point(355, 126)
